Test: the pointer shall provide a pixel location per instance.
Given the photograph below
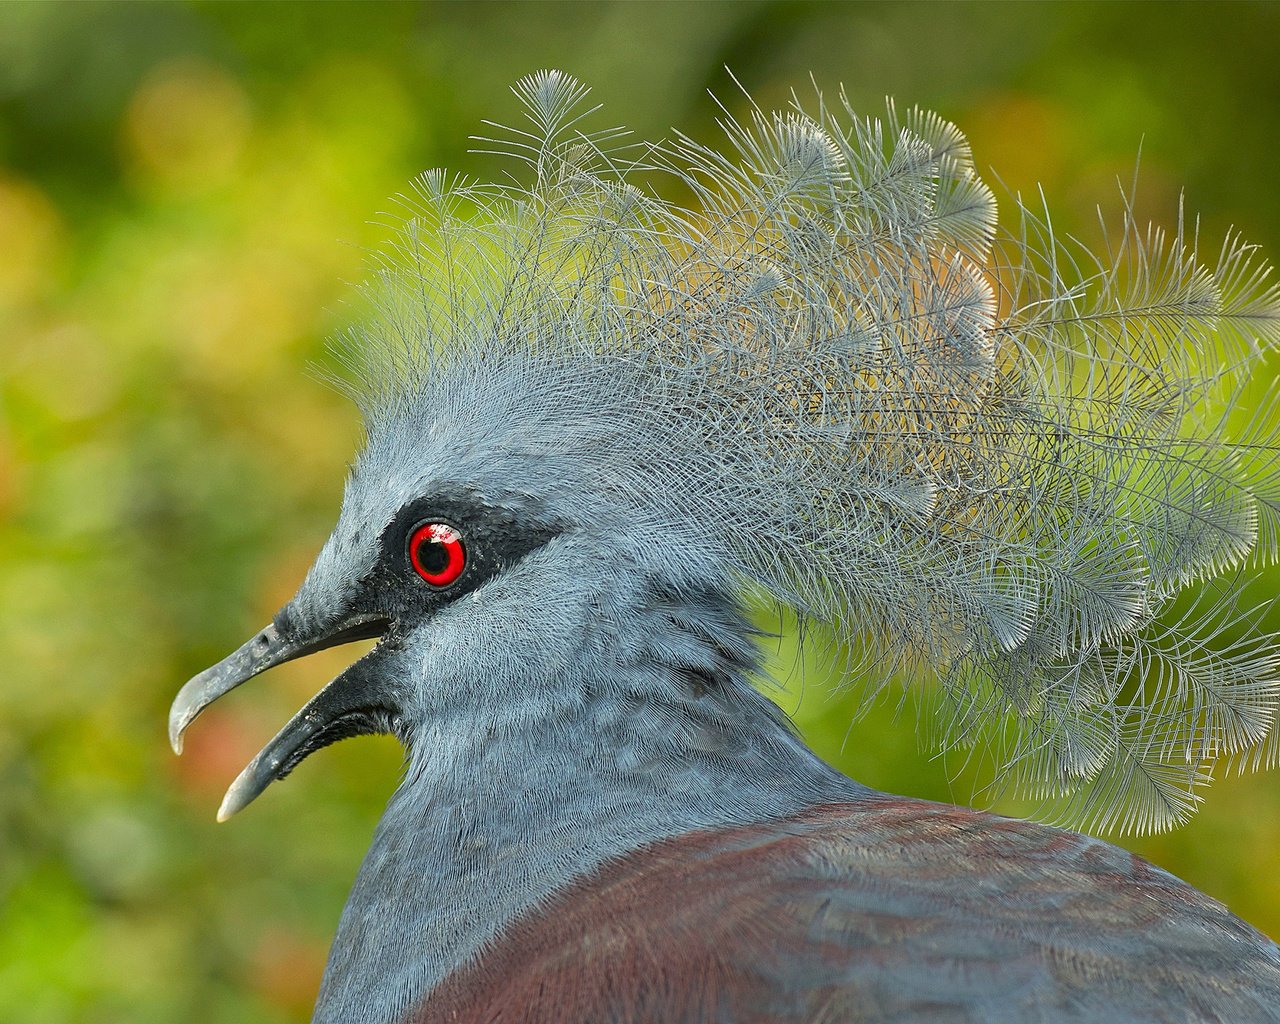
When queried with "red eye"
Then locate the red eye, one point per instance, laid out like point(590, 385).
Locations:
point(437, 554)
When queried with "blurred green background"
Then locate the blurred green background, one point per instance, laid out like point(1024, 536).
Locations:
point(186, 194)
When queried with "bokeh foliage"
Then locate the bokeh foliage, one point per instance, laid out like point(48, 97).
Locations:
point(186, 193)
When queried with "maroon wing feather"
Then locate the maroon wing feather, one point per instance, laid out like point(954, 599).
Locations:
point(884, 910)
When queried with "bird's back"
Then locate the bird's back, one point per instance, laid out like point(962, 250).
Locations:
point(885, 910)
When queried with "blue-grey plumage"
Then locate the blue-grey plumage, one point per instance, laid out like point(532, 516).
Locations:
point(602, 428)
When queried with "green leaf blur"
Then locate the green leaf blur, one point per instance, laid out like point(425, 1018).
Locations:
point(186, 195)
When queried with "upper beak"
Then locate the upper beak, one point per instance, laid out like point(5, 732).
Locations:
point(270, 647)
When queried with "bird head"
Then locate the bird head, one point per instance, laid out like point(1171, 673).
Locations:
point(491, 527)
point(829, 383)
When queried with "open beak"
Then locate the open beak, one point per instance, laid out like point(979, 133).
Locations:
point(350, 705)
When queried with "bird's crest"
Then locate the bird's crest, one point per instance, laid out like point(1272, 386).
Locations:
point(993, 462)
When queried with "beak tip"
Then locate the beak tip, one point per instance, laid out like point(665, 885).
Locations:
point(247, 787)
point(230, 804)
point(179, 719)
point(262, 652)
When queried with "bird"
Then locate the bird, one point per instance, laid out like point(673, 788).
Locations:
point(612, 438)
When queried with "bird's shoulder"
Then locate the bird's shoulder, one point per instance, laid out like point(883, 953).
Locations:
point(884, 909)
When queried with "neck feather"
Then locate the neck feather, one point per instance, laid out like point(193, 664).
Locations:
point(499, 811)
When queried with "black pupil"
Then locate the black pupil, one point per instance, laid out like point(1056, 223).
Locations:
point(433, 556)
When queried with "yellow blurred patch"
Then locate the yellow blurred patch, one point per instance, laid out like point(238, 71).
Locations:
point(66, 367)
point(31, 234)
point(239, 312)
point(1025, 137)
point(186, 126)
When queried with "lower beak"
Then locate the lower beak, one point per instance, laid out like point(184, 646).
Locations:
point(349, 705)
point(360, 701)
